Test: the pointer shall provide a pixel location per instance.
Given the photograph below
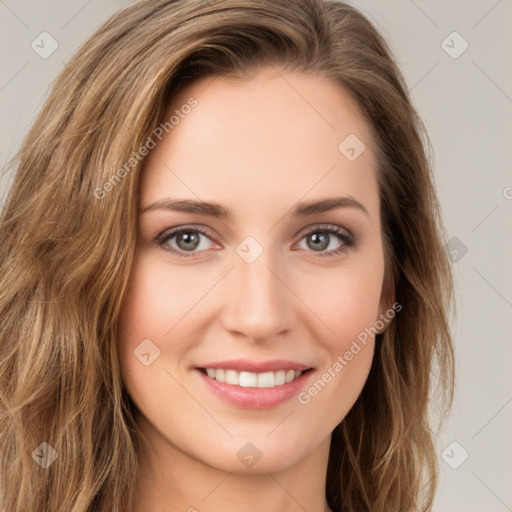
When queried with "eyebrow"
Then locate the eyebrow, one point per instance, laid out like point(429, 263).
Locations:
point(216, 210)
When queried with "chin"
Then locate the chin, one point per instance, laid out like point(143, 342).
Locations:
point(259, 455)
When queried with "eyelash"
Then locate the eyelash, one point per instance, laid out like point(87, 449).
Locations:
point(347, 238)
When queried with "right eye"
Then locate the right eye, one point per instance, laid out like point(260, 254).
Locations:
point(183, 241)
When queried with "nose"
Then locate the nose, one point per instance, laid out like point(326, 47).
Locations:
point(258, 303)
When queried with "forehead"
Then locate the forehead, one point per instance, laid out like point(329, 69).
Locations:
point(276, 136)
point(267, 105)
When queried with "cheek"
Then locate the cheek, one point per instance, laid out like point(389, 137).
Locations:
point(157, 297)
point(154, 303)
point(142, 315)
point(346, 299)
point(158, 307)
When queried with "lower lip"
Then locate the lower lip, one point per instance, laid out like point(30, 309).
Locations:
point(255, 398)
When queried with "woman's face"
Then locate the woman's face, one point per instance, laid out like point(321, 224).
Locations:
point(259, 292)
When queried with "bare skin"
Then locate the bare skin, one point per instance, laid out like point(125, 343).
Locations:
point(257, 147)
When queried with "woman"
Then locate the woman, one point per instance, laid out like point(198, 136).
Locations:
point(223, 284)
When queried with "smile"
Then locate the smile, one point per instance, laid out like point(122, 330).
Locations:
point(252, 380)
point(251, 390)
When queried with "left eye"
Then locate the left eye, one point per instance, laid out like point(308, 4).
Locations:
point(187, 240)
point(321, 238)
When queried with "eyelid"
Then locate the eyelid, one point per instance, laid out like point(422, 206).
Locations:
point(185, 227)
point(319, 227)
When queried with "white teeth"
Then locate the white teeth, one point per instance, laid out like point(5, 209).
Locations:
point(266, 380)
point(247, 380)
point(279, 377)
point(253, 380)
point(231, 377)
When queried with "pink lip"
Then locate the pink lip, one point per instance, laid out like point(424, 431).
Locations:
point(246, 365)
point(254, 398)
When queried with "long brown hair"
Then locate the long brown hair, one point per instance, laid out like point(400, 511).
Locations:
point(66, 253)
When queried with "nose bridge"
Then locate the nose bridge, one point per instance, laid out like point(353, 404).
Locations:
point(258, 304)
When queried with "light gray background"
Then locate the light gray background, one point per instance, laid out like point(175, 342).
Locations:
point(466, 103)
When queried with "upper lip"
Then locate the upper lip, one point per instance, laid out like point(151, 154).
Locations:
point(247, 365)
